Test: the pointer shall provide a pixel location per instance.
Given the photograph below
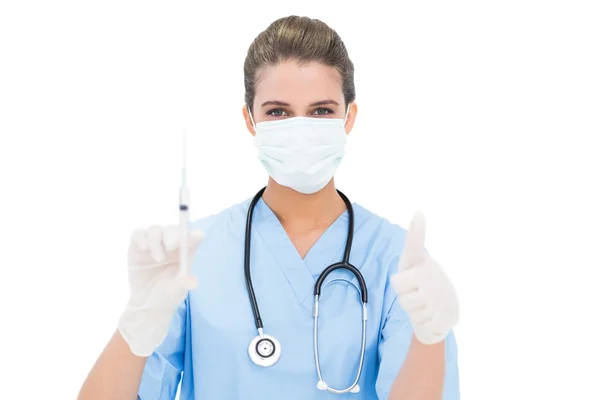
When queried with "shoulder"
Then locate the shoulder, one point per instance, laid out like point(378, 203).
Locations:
point(378, 234)
point(380, 230)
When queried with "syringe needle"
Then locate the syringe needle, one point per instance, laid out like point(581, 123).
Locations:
point(183, 168)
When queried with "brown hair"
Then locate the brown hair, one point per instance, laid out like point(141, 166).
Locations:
point(302, 39)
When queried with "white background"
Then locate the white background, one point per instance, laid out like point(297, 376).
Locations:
point(485, 115)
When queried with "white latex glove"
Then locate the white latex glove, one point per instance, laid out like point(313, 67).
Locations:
point(157, 287)
point(423, 289)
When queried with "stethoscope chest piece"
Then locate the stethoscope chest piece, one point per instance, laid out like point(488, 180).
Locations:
point(264, 350)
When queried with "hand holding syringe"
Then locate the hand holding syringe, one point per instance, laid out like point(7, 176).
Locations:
point(159, 276)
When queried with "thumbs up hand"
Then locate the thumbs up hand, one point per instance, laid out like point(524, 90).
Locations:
point(423, 289)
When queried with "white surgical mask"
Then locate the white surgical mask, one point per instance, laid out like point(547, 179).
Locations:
point(301, 153)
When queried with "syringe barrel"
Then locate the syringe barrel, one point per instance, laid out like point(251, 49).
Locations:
point(184, 196)
point(184, 221)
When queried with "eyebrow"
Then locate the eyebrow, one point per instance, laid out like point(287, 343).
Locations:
point(281, 103)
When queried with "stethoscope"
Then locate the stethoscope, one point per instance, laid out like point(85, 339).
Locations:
point(265, 350)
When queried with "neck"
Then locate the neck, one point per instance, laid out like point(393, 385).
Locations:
point(304, 211)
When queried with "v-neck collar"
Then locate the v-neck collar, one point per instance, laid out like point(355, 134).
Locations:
point(300, 273)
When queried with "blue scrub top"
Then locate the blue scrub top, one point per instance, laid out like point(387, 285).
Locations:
point(206, 348)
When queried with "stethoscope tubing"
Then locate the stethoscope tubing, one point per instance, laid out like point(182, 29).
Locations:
point(344, 264)
point(247, 247)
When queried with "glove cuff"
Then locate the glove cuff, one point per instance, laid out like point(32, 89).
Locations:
point(141, 338)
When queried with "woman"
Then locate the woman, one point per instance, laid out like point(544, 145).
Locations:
point(299, 108)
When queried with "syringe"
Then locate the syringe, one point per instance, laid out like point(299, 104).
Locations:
point(184, 216)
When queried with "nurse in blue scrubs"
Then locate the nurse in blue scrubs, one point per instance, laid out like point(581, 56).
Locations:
point(240, 323)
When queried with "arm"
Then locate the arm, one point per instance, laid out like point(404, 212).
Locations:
point(422, 373)
point(118, 374)
point(115, 375)
point(409, 369)
point(144, 358)
point(418, 348)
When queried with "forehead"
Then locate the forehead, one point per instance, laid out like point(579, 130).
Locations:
point(298, 83)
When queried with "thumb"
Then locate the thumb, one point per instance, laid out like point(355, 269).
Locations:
point(196, 238)
point(414, 246)
point(190, 282)
point(175, 290)
point(185, 283)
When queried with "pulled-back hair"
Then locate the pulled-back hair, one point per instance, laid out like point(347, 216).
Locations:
point(301, 39)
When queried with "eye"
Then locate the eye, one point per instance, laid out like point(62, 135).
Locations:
point(323, 111)
point(276, 112)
